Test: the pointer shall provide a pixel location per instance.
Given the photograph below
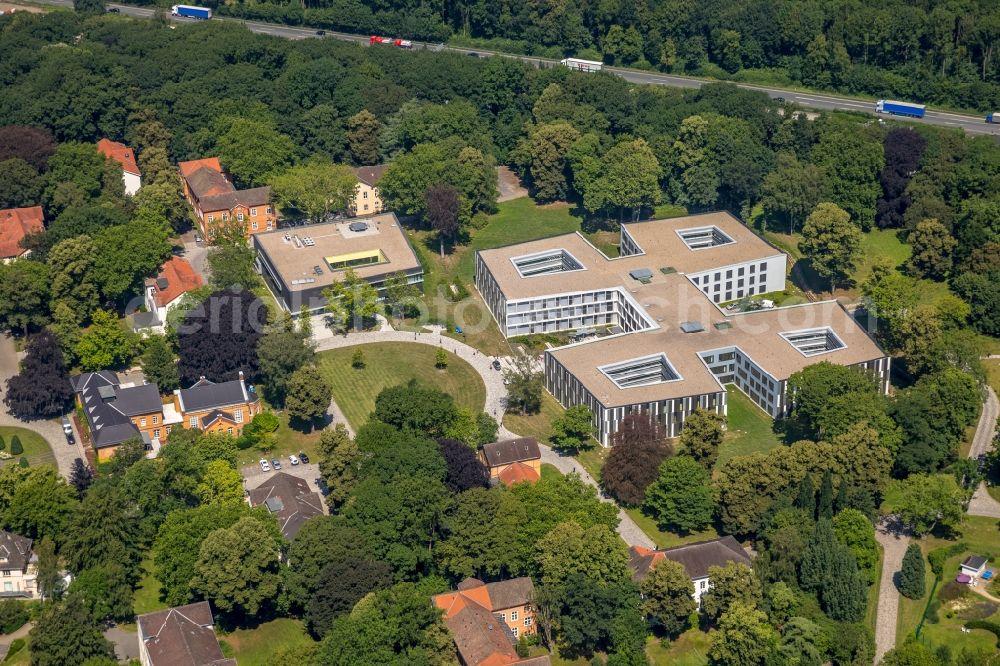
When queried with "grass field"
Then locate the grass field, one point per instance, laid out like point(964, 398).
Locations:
point(287, 440)
point(980, 536)
point(257, 646)
point(392, 363)
point(750, 428)
point(690, 649)
point(36, 449)
point(537, 425)
point(147, 595)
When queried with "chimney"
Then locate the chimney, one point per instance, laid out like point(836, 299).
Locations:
point(201, 378)
point(241, 375)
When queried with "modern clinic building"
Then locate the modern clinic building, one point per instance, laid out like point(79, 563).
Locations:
point(298, 263)
point(669, 347)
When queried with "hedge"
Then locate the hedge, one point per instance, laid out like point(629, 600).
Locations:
point(939, 556)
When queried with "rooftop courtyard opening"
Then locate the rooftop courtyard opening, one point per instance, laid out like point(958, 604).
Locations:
point(644, 371)
point(546, 263)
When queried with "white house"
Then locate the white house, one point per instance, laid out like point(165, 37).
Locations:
point(122, 154)
point(176, 278)
point(696, 558)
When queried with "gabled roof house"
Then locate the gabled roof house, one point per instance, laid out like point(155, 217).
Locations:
point(15, 224)
point(181, 636)
point(216, 201)
point(125, 156)
point(289, 499)
point(696, 558)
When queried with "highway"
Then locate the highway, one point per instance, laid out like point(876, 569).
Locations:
point(971, 124)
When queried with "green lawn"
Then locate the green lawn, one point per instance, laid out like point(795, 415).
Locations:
point(750, 428)
point(287, 440)
point(147, 594)
point(36, 449)
point(392, 363)
point(690, 649)
point(256, 647)
point(981, 537)
point(537, 425)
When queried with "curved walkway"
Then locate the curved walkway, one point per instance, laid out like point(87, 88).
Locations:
point(982, 504)
point(496, 402)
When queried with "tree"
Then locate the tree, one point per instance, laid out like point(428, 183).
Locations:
point(103, 530)
point(20, 184)
point(932, 249)
point(440, 358)
point(238, 566)
point(743, 638)
point(732, 584)
point(818, 556)
point(926, 501)
point(588, 614)
point(524, 383)
point(547, 147)
point(903, 148)
point(844, 594)
point(159, 364)
point(597, 553)
point(831, 243)
point(573, 429)
point(803, 642)
point(127, 254)
point(106, 344)
point(280, 353)
point(73, 279)
point(320, 541)
point(824, 505)
point(638, 447)
point(16, 448)
point(24, 295)
point(106, 591)
point(816, 386)
point(681, 498)
point(358, 359)
point(911, 653)
point(340, 585)
point(65, 634)
point(702, 435)
point(230, 265)
point(309, 394)
point(50, 579)
point(352, 301)
point(316, 188)
point(792, 191)
point(629, 179)
point(34, 145)
point(218, 339)
point(854, 530)
point(220, 483)
point(414, 407)
point(442, 211)
point(363, 137)
point(465, 470)
point(911, 576)
point(81, 477)
point(89, 6)
point(852, 161)
point(668, 596)
point(41, 389)
point(253, 150)
point(338, 463)
point(176, 548)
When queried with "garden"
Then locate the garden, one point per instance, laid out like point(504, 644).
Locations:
point(17, 444)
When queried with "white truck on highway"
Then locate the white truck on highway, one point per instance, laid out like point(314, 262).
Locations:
point(582, 65)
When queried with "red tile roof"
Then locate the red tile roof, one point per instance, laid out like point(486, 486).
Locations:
point(175, 279)
point(188, 168)
point(371, 175)
point(120, 153)
point(15, 224)
point(518, 472)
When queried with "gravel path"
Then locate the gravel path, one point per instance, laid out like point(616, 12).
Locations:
point(894, 542)
point(982, 504)
point(50, 430)
point(496, 401)
point(7, 639)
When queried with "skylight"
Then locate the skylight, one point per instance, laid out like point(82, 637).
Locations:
point(546, 263)
point(814, 341)
point(702, 238)
point(643, 371)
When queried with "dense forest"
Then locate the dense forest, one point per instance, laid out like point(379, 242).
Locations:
point(274, 109)
point(930, 51)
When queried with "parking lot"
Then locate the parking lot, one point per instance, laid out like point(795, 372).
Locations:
point(253, 476)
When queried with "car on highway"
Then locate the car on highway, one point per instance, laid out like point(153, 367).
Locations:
point(114, 10)
point(264, 466)
point(275, 463)
point(304, 458)
point(293, 459)
point(320, 33)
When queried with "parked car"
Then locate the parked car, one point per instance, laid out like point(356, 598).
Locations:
point(70, 439)
point(264, 466)
point(293, 459)
point(496, 364)
point(67, 426)
point(304, 458)
point(275, 463)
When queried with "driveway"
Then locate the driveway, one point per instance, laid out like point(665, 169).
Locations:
point(253, 477)
point(982, 504)
point(50, 430)
point(126, 642)
point(894, 541)
point(195, 254)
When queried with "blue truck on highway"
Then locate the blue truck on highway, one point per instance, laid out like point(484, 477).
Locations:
point(993, 117)
point(900, 108)
point(190, 11)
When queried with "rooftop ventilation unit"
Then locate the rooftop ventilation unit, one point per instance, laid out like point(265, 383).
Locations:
point(692, 327)
point(308, 241)
point(722, 325)
point(641, 274)
point(667, 270)
point(358, 226)
point(299, 281)
point(296, 242)
point(318, 270)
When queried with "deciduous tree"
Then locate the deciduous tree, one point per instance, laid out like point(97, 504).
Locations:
point(932, 250)
point(218, 339)
point(638, 447)
point(24, 296)
point(339, 463)
point(316, 188)
point(831, 243)
point(106, 344)
point(352, 301)
point(363, 137)
point(443, 208)
point(597, 553)
point(668, 596)
point(309, 394)
point(41, 388)
point(702, 435)
point(465, 470)
point(66, 634)
point(253, 150)
point(280, 353)
point(159, 364)
point(681, 497)
point(573, 429)
point(743, 637)
point(732, 584)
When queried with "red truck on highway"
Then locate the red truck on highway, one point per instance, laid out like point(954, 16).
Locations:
point(401, 43)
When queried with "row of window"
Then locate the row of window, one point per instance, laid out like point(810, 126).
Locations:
point(239, 216)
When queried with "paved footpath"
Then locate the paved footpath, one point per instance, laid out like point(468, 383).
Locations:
point(894, 542)
point(50, 430)
point(496, 401)
point(982, 504)
point(7, 639)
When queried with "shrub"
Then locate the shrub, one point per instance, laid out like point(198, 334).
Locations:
point(911, 576)
point(358, 359)
point(939, 556)
point(23, 462)
point(15, 646)
point(3, 444)
point(13, 615)
point(993, 627)
point(440, 359)
point(15, 446)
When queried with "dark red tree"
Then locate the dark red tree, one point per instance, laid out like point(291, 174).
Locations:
point(31, 144)
point(218, 339)
point(465, 470)
point(638, 447)
point(903, 149)
point(442, 211)
point(41, 389)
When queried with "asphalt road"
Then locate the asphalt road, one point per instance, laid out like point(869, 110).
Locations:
point(971, 124)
